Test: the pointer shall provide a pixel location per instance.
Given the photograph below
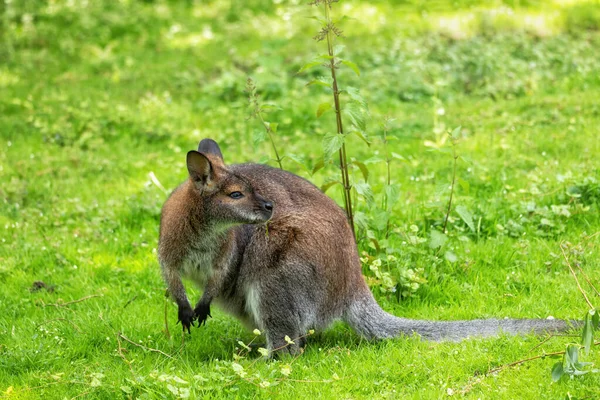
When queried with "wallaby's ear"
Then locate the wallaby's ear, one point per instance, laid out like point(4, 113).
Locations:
point(199, 168)
point(209, 146)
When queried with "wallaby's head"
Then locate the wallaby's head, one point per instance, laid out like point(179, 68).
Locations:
point(227, 198)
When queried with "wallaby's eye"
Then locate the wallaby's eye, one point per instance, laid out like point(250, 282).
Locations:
point(236, 195)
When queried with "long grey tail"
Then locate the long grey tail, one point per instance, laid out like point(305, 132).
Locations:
point(367, 318)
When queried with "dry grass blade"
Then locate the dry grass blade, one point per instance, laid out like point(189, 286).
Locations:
point(60, 304)
point(575, 276)
point(120, 335)
point(61, 319)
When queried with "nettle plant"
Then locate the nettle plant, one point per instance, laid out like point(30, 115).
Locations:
point(351, 114)
point(388, 272)
point(354, 112)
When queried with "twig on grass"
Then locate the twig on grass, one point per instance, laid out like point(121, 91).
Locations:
point(83, 394)
point(61, 319)
point(130, 300)
point(60, 304)
point(575, 276)
point(455, 157)
point(119, 334)
point(550, 336)
point(157, 183)
point(512, 364)
point(518, 362)
point(592, 236)
point(120, 351)
point(501, 368)
point(587, 279)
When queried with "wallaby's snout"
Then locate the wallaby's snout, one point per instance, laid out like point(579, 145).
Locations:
point(266, 206)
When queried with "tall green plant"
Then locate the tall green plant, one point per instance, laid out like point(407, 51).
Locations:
point(356, 108)
point(257, 111)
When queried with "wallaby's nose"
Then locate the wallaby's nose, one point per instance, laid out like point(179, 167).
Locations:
point(268, 206)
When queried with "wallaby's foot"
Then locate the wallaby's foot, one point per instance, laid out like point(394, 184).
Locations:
point(186, 317)
point(281, 348)
point(202, 312)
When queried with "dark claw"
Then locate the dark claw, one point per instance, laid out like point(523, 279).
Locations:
point(202, 312)
point(186, 317)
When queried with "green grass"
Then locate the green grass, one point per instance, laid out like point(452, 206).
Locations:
point(94, 98)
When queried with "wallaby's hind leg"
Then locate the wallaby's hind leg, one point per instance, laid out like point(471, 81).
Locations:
point(277, 311)
point(277, 330)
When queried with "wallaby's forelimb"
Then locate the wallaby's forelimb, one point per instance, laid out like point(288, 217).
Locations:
point(185, 314)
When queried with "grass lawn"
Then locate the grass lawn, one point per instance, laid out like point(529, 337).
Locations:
point(101, 100)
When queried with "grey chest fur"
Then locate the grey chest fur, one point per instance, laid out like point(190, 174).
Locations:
point(198, 265)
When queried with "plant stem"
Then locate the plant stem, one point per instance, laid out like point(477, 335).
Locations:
point(576, 280)
point(389, 175)
point(512, 364)
point(340, 127)
point(257, 111)
point(270, 133)
point(451, 187)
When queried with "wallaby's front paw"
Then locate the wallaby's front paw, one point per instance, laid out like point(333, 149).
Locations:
point(186, 317)
point(202, 312)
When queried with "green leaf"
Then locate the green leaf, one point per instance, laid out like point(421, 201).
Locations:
point(338, 49)
point(374, 160)
point(319, 82)
point(332, 142)
point(298, 160)
point(357, 115)
point(325, 56)
point(467, 160)
point(323, 107)
point(273, 126)
point(596, 319)
point(363, 168)
point(352, 66)
point(320, 164)
point(392, 193)
point(456, 132)
point(309, 66)
point(238, 369)
point(557, 371)
point(362, 136)
point(364, 189)
point(325, 187)
point(355, 95)
point(571, 355)
point(466, 216)
point(450, 256)
point(244, 345)
point(263, 352)
point(361, 220)
point(259, 136)
point(587, 336)
point(286, 370)
point(437, 239)
point(268, 107)
point(320, 19)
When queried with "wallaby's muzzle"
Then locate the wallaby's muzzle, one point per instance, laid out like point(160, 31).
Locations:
point(266, 207)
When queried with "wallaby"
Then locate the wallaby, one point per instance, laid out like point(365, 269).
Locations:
point(273, 250)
